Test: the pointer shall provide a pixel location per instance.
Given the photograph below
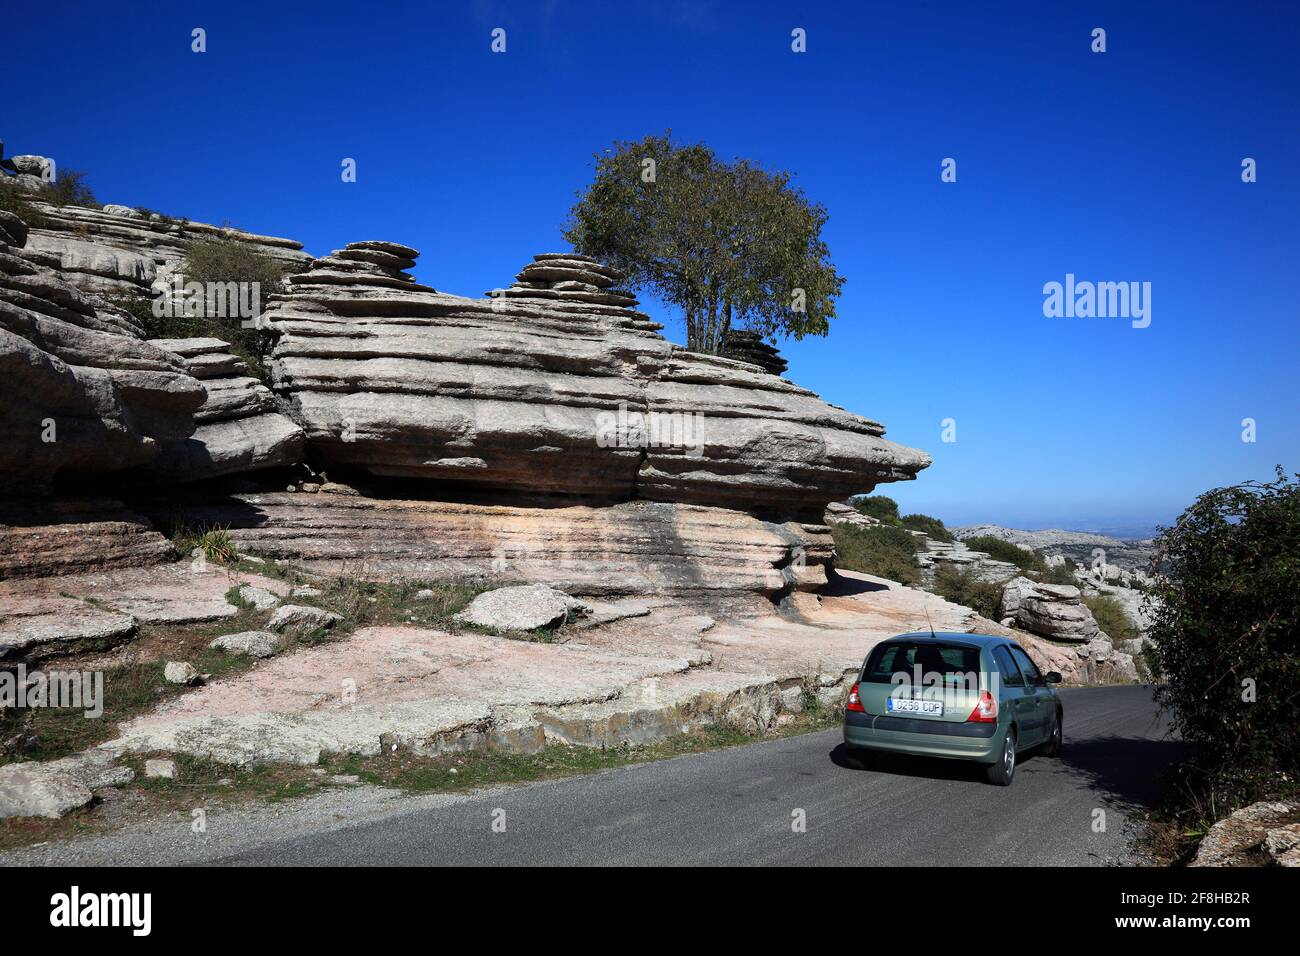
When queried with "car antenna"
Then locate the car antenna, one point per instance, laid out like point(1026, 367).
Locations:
point(928, 621)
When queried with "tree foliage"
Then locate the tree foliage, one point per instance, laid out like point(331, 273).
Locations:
point(1226, 639)
point(730, 244)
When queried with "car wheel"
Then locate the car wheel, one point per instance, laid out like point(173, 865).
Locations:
point(859, 757)
point(1001, 773)
point(1053, 746)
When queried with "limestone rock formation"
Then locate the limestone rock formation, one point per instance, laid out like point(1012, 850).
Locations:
point(842, 513)
point(239, 427)
point(554, 385)
point(629, 548)
point(932, 555)
point(1265, 833)
point(744, 345)
point(41, 537)
point(80, 392)
point(116, 249)
point(1052, 610)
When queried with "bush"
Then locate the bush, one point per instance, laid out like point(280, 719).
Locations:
point(964, 587)
point(1000, 550)
point(931, 526)
point(1224, 635)
point(886, 551)
point(1111, 618)
point(221, 260)
point(69, 189)
point(878, 507)
point(1059, 574)
point(14, 200)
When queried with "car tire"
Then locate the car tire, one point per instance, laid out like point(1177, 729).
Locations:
point(1001, 774)
point(858, 757)
point(1053, 746)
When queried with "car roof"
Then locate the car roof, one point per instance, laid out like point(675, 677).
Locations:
point(953, 637)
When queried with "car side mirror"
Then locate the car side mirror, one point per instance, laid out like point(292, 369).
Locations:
point(1053, 677)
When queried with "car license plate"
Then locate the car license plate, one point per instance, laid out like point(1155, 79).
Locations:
point(931, 708)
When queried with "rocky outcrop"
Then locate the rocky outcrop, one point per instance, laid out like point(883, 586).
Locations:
point(40, 537)
point(554, 385)
point(239, 427)
point(1057, 612)
point(80, 392)
point(1261, 834)
point(842, 513)
point(629, 548)
point(932, 555)
point(1052, 610)
point(119, 250)
point(744, 345)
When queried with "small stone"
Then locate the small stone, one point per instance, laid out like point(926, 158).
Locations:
point(260, 598)
point(306, 590)
point(345, 778)
point(301, 618)
point(160, 769)
point(182, 672)
point(259, 644)
point(424, 594)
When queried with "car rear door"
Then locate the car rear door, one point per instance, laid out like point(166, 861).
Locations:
point(1037, 688)
point(1017, 694)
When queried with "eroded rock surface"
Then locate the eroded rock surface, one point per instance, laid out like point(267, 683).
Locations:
point(553, 385)
point(239, 425)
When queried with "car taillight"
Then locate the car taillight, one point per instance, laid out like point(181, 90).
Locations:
point(986, 711)
point(855, 702)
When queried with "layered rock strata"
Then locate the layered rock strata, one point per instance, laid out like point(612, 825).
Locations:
point(239, 427)
point(634, 547)
point(117, 249)
point(744, 345)
point(553, 385)
point(80, 392)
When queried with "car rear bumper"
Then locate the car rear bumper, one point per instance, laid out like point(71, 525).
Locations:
point(929, 738)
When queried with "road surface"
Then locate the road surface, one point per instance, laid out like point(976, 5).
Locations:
point(742, 806)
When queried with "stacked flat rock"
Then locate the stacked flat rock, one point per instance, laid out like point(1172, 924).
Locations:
point(544, 389)
point(372, 263)
point(746, 346)
point(80, 393)
point(570, 277)
point(239, 429)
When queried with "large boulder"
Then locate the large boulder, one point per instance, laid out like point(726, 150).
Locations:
point(526, 607)
point(1056, 611)
point(553, 385)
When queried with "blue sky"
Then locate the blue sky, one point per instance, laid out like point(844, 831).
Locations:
point(1122, 166)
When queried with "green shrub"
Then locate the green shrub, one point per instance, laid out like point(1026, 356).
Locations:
point(69, 189)
point(931, 526)
point(1059, 574)
point(1000, 550)
point(1111, 618)
point(14, 200)
point(1224, 634)
point(222, 260)
point(878, 507)
point(886, 551)
point(964, 587)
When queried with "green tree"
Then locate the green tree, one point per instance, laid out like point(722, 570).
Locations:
point(1224, 633)
point(730, 244)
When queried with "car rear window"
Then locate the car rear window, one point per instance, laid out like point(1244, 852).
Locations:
point(951, 661)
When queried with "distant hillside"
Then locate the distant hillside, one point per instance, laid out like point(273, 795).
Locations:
point(1076, 545)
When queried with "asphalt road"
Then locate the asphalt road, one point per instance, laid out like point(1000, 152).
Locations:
point(739, 806)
